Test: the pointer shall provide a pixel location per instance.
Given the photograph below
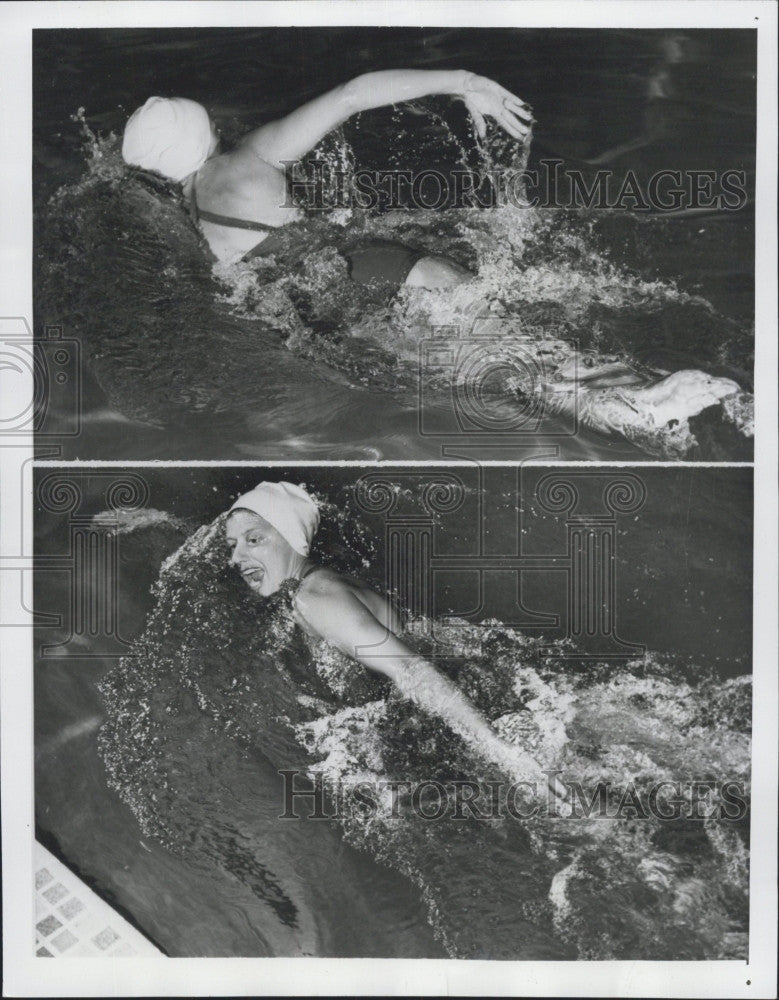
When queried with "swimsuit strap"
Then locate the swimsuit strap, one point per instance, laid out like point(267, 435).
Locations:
point(233, 223)
point(277, 240)
point(291, 586)
point(224, 220)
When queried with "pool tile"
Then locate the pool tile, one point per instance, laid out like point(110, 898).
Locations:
point(42, 878)
point(64, 940)
point(105, 938)
point(48, 926)
point(55, 893)
point(93, 929)
point(71, 908)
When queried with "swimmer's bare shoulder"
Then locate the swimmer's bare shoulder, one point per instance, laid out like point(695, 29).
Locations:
point(326, 596)
point(241, 184)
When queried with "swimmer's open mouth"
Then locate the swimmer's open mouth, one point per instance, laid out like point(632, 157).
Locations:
point(253, 576)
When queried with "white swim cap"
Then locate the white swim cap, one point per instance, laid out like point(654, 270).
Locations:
point(171, 135)
point(288, 508)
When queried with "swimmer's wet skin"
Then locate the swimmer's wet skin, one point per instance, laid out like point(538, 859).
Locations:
point(372, 260)
point(612, 399)
point(489, 893)
point(239, 201)
point(269, 531)
point(650, 407)
point(240, 197)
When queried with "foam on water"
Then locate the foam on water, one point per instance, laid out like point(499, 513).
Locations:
point(220, 678)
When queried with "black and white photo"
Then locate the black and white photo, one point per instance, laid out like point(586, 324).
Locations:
point(388, 554)
point(340, 725)
point(311, 242)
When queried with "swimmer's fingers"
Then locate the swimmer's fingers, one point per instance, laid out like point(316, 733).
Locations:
point(478, 119)
point(485, 97)
point(511, 124)
point(507, 121)
point(514, 104)
point(487, 92)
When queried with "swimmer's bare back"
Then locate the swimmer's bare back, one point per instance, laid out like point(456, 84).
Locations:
point(249, 183)
point(240, 186)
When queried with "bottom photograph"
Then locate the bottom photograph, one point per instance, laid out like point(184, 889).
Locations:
point(467, 711)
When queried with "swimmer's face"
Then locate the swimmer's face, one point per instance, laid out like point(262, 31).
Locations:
point(263, 556)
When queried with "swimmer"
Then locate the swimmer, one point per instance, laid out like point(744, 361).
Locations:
point(650, 407)
point(240, 201)
point(269, 532)
point(239, 198)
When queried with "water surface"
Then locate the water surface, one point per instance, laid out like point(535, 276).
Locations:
point(164, 790)
point(284, 364)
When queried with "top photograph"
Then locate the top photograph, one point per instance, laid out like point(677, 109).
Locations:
point(343, 243)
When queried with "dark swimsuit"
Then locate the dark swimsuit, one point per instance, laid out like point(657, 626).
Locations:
point(373, 260)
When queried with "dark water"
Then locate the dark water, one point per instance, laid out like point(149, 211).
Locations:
point(284, 363)
point(171, 808)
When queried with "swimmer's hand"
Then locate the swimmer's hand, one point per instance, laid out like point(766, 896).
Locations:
point(669, 403)
point(483, 96)
point(683, 394)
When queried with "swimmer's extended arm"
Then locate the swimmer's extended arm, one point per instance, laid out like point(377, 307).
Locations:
point(343, 620)
point(291, 137)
